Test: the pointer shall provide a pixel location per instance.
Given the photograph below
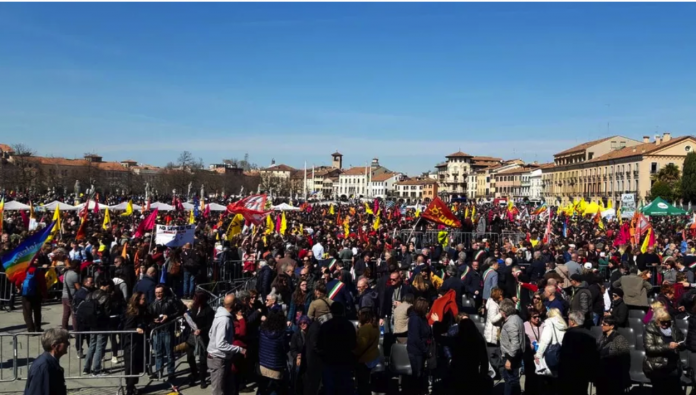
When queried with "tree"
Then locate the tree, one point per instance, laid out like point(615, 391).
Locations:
point(661, 189)
point(668, 174)
point(688, 180)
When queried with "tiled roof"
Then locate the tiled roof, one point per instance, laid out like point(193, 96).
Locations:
point(416, 182)
point(458, 154)
point(485, 159)
point(443, 164)
point(383, 176)
point(6, 148)
point(356, 171)
point(129, 161)
point(545, 166)
point(583, 146)
point(279, 167)
point(640, 149)
point(336, 154)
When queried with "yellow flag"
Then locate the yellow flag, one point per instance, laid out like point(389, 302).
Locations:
point(473, 212)
point(646, 242)
point(609, 206)
point(270, 228)
point(618, 215)
point(192, 219)
point(442, 238)
point(129, 209)
point(466, 212)
point(284, 224)
point(346, 229)
point(301, 229)
point(368, 209)
point(56, 226)
point(107, 219)
point(331, 210)
point(417, 211)
point(235, 226)
point(376, 224)
point(51, 277)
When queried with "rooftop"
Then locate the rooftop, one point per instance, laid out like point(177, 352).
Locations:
point(383, 176)
point(414, 181)
point(356, 171)
point(279, 167)
point(583, 146)
point(640, 149)
point(458, 154)
point(6, 148)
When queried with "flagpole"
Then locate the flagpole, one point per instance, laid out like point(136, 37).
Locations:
point(305, 181)
point(313, 182)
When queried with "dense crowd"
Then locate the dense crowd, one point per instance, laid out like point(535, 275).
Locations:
point(335, 297)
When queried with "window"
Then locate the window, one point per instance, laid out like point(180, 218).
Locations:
point(653, 168)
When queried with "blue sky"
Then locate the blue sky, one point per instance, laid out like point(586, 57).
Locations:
point(408, 83)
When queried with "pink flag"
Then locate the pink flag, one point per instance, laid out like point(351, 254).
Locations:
point(147, 224)
point(376, 207)
point(25, 219)
point(278, 221)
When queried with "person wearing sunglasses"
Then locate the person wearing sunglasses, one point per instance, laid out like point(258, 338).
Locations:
point(613, 375)
point(663, 342)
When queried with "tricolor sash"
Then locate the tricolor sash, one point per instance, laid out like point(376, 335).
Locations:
point(466, 271)
point(477, 257)
point(334, 291)
point(486, 274)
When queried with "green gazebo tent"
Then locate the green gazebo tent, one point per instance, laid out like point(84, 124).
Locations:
point(660, 207)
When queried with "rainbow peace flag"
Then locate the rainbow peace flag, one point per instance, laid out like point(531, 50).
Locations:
point(17, 261)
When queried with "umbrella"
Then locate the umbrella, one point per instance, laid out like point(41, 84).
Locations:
point(660, 207)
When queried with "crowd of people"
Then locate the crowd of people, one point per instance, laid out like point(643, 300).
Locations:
point(339, 295)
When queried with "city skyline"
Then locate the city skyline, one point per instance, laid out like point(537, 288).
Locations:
point(408, 83)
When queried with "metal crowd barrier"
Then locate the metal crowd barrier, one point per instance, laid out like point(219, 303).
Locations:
point(6, 291)
point(26, 347)
point(216, 291)
point(177, 331)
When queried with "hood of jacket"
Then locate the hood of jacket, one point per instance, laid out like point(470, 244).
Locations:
point(222, 312)
point(118, 281)
point(557, 323)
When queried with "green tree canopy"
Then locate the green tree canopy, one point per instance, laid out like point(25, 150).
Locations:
point(661, 189)
point(688, 180)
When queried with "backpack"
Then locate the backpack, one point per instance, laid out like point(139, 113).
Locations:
point(90, 313)
point(29, 286)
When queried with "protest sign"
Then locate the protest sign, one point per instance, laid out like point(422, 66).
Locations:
point(174, 236)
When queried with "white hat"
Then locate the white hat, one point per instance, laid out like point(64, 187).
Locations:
point(588, 265)
point(602, 254)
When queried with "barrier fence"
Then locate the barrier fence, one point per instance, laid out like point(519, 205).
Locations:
point(6, 291)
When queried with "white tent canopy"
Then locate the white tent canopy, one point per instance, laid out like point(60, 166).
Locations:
point(15, 205)
point(161, 206)
point(122, 207)
point(61, 206)
point(217, 207)
point(92, 203)
point(285, 207)
point(188, 206)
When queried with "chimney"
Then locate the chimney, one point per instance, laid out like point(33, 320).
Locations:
point(666, 137)
point(658, 139)
point(646, 139)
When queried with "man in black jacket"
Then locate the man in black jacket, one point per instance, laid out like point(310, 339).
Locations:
point(189, 257)
point(454, 282)
point(335, 344)
point(266, 275)
point(473, 284)
point(578, 357)
point(537, 268)
point(165, 309)
point(581, 301)
point(619, 310)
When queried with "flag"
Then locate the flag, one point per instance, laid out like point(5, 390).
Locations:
point(418, 213)
point(148, 205)
point(107, 219)
point(96, 204)
point(609, 206)
point(17, 261)
point(598, 220)
point(375, 226)
point(251, 207)
point(129, 209)
point(438, 212)
point(618, 215)
point(376, 206)
point(147, 224)
point(466, 212)
point(277, 224)
point(547, 233)
point(649, 241)
point(352, 211)
point(442, 238)
point(346, 229)
point(283, 224)
point(235, 226)
point(368, 209)
point(124, 251)
point(56, 227)
point(473, 213)
point(192, 218)
point(203, 205)
point(31, 210)
point(565, 228)
point(331, 210)
point(539, 209)
point(82, 230)
point(269, 225)
point(206, 212)
point(2, 212)
point(51, 277)
point(196, 210)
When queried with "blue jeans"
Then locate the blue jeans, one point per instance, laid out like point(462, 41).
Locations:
point(337, 380)
point(95, 353)
point(162, 343)
point(189, 283)
point(595, 318)
point(512, 381)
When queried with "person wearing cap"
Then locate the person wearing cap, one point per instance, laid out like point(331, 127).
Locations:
point(581, 301)
point(635, 290)
point(619, 310)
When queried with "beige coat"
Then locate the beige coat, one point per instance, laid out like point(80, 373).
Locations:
point(494, 320)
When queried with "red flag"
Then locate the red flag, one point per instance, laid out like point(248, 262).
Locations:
point(376, 206)
point(438, 212)
point(206, 213)
point(96, 204)
point(251, 208)
point(81, 232)
point(147, 224)
point(85, 210)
